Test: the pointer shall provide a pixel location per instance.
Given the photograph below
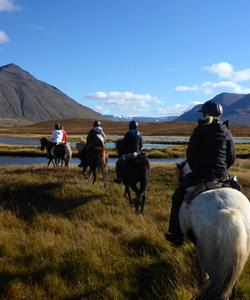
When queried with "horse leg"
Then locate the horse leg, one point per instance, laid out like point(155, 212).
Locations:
point(233, 295)
point(128, 193)
point(51, 159)
point(143, 199)
point(104, 170)
point(94, 175)
point(142, 193)
point(137, 199)
point(200, 259)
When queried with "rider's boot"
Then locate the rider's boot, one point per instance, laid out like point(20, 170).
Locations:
point(118, 178)
point(174, 234)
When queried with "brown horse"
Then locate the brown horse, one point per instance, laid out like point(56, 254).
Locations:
point(60, 152)
point(94, 159)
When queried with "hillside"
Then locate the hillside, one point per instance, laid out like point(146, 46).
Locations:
point(236, 109)
point(24, 97)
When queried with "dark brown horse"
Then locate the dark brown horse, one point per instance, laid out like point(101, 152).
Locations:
point(134, 171)
point(94, 159)
point(60, 152)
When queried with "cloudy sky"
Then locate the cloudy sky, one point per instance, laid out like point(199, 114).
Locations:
point(140, 57)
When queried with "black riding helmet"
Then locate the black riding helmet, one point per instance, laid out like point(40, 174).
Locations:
point(133, 125)
point(97, 124)
point(57, 126)
point(212, 109)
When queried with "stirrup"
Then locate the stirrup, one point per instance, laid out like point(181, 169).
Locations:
point(175, 239)
point(117, 180)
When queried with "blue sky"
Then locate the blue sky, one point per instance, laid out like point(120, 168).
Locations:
point(131, 57)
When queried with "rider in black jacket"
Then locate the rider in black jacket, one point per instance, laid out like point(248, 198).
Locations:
point(211, 151)
point(132, 144)
point(95, 138)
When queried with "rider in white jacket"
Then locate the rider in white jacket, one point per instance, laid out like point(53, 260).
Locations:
point(57, 135)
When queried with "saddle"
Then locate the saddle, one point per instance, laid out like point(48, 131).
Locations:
point(193, 191)
point(58, 150)
point(137, 158)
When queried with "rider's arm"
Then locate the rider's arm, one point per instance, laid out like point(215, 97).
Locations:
point(141, 143)
point(231, 152)
point(192, 149)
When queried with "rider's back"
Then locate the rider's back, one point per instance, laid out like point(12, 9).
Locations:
point(211, 151)
point(132, 142)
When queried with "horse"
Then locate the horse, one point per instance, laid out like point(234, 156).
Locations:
point(96, 158)
point(134, 171)
point(219, 222)
point(57, 152)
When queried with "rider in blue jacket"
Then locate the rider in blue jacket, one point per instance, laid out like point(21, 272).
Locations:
point(132, 144)
point(211, 151)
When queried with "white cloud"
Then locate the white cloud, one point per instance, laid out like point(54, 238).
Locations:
point(126, 101)
point(102, 109)
point(4, 37)
point(176, 109)
point(226, 70)
point(185, 88)
point(223, 69)
point(230, 80)
point(8, 6)
point(208, 87)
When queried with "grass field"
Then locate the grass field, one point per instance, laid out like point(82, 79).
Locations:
point(81, 127)
point(62, 238)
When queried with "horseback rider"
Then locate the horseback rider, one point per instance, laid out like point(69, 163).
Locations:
point(132, 145)
point(56, 138)
point(210, 152)
point(57, 135)
point(64, 134)
point(95, 138)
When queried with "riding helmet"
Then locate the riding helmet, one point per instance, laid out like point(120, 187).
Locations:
point(133, 125)
point(97, 124)
point(212, 109)
point(57, 126)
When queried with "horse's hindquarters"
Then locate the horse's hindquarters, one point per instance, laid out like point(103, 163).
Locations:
point(219, 220)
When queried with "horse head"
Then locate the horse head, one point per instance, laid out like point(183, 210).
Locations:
point(80, 146)
point(119, 146)
point(44, 143)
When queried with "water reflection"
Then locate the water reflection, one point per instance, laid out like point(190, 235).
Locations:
point(18, 160)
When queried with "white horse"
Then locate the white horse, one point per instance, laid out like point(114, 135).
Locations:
point(220, 222)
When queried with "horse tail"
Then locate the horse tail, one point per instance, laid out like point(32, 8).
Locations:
point(67, 155)
point(229, 257)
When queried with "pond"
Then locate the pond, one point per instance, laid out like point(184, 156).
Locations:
point(18, 160)
point(149, 142)
point(35, 142)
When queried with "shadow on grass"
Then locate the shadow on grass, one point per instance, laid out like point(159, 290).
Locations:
point(26, 200)
point(155, 281)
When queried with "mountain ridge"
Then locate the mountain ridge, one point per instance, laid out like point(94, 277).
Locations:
point(24, 97)
point(236, 109)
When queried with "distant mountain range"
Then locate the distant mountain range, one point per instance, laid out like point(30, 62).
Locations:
point(118, 118)
point(236, 109)
point(23, 97)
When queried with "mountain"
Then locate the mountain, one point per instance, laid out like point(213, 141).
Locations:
point(118, 118)
point(24, 97)
point(236, 109)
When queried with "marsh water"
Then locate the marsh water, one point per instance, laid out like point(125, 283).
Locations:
point(149, 143)
point(19, 160)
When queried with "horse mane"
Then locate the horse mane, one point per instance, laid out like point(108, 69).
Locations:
point(183, 169)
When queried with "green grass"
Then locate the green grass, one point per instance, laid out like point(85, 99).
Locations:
point(175, 151)
point(63, 238)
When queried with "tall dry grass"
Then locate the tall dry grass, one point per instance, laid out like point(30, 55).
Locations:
point(62, 238)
